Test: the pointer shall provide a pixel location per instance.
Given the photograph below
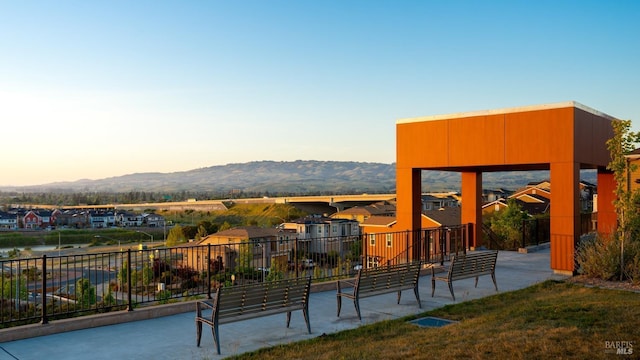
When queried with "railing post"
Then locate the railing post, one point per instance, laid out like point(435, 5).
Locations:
point(208, 271)
point(441, 237)
point(129, 303)
point(407, 243)
point(295, 256)
point(466, 237)
point(524, 230)
point(363, 242)
point(44, 290)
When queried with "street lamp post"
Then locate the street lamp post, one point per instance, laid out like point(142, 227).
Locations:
point(149, 235)
point(106, 237)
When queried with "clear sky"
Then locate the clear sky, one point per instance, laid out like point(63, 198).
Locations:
point(94, 89)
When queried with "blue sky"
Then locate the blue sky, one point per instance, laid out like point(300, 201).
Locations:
point(93, 89)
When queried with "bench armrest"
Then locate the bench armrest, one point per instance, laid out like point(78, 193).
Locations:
point(346, 283)
point(204, 304)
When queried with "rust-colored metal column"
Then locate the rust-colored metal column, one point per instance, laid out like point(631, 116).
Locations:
point(472, 205)
point(607, 219)
point(565, 215)
point(408, 198)
point(408, 208)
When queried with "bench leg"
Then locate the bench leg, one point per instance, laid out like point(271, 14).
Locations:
point(357, 304)
point(433, 286)
point(305, 313)
point(399, 294)
point(198, 332)
point(339, 299)
point(451, 290)
point(288, 318)
point(216, 336)
point(476, 281)
point(493, 277)
point(415, 291)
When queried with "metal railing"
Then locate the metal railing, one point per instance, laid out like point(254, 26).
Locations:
point(55, 287)
point(538, 231)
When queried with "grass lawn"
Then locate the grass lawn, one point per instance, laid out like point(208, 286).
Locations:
point(551, 320)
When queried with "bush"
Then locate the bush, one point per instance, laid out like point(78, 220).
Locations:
point(632, 261)
point(164, 296)
point(599, 257)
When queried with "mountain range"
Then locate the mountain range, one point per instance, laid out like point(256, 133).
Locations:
point(288, 177)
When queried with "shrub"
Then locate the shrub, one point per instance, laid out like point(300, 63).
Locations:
point(164, 296)
point(599, 257)
point(632, 261)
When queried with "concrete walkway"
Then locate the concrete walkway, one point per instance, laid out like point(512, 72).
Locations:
point(173, 337)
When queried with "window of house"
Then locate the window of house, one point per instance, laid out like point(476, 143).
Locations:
point(389, 240)
point(372, 239)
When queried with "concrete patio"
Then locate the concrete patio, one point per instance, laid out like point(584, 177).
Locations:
point(173, 337)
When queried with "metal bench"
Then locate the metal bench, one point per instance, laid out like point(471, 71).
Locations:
point(380, 280)
point(468, 266)
point(236, 303)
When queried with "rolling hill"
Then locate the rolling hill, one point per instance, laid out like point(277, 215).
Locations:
point(290, 177)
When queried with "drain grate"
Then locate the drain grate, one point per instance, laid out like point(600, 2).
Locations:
point(431, 321)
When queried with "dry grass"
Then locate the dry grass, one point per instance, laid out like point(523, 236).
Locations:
point(558, 320)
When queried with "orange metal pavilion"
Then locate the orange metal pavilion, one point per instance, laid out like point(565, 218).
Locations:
point(562, 138)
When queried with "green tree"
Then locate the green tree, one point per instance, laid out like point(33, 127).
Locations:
point(85, 293)
point(9, 288)
point(245, 255)
point(620, 145)
point(507, 224)
point(225, 226)
point(176, 236)
point(122, 274)
point(202, 232)
point(147, 275)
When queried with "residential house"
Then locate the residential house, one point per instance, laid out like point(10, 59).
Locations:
point(531, 204)
point(153, 220)
point(128, 219)
point(73, 218)
point(39, 219)
point(436, 201)
point(254, 244)
point(8, 221)
point(490, 195)
point(633, 160)
point(380, 236)
point(101, 219)
point(321, 235)
point(543, 188)
point(362, 213)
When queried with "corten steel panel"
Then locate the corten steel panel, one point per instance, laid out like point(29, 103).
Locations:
point(541, 136)
point(565, 213)
point(592, 133)
point(607, 218)
point(562, 252)
point(408, 198)
point(476, 140)
point(471, 211)
point(422, 144)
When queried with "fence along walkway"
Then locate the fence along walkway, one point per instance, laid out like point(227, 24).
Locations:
point(47, 288)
